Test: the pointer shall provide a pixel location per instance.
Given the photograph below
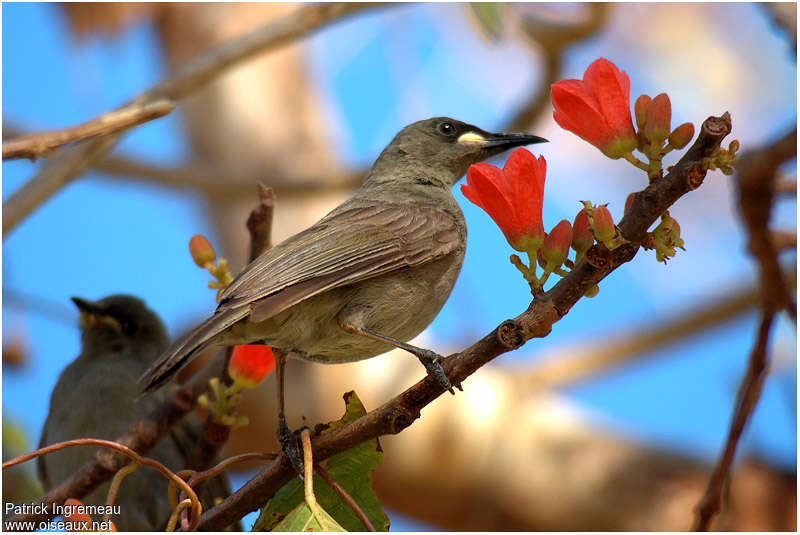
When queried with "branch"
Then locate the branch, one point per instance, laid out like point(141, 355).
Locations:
point(36, 145)
point(535, 322)
point(68, 163)
point(756, 179)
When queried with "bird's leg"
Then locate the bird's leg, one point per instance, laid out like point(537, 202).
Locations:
point(288, 440)
point(428, 358)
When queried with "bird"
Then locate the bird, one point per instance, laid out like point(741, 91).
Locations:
point(369, 276)
point(96, 397)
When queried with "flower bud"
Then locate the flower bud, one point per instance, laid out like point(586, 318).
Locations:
point(556, 245)
point(582, 237)
point(681, 136)
point(733, 147)
point(629, 201)
point(603, 224)
point(659, 115)
point(201, 250)
point(250, 364)
point(640, 109)
point(591, 292)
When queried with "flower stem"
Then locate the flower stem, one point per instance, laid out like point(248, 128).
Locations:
point(636, 161)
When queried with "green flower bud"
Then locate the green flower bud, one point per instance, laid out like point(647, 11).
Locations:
point(681, 136)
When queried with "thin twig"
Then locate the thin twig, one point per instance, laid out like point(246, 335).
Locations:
point(554, 39)
point(40, 144)
point(172, 523)
point(308, 476)
point(116, 481)
point(197, 508)
point(746, 401)
point(536, 322)
point(142, 436)
point(755, 178)
point(345, 496)
point(68, 163)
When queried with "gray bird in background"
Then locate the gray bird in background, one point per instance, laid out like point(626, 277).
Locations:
point(95, 397)
point(367, 277)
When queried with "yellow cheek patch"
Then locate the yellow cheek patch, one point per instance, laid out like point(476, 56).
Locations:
point(471, 137)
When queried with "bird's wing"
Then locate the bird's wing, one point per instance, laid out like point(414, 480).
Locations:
point(350, 245)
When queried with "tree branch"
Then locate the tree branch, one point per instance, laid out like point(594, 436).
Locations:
point(535, 322)
point(36, 145)
point(756, 179)
point(68, 163)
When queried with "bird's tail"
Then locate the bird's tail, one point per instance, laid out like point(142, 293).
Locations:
point(185, 348)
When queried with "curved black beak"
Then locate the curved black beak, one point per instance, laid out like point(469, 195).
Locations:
point(508, 141)
point(85, 306)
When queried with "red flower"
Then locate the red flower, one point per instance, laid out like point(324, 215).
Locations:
point(597, 108)
point(250, 364)
point(512, 197)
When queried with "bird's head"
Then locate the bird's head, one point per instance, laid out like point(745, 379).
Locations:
point(446, 148)
point(118, 322)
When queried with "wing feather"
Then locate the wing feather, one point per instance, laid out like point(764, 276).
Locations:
point(349, 245)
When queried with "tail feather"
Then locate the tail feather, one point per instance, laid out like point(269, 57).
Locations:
point(185, 348)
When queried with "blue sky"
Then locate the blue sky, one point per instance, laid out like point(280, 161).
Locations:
point(377, 73)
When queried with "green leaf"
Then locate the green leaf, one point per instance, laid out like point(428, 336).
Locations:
point(489, 18)
point(352, 470)
point(301, 518)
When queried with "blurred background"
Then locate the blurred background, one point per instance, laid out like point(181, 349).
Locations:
point(610, 423)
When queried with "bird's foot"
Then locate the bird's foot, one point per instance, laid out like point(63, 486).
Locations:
point(433, 364)
point(290, 445)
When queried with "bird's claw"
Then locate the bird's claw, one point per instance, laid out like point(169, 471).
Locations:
point(290, 445)
point(433, 365)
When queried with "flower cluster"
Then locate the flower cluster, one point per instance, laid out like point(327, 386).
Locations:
point(513, 196)
point(596, 108)
point(248, 366)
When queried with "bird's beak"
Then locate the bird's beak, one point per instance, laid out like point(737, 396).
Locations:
point(486, 140)
point(85, 306)
point(92, 315)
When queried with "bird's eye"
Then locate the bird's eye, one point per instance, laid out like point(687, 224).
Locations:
point(447, 129)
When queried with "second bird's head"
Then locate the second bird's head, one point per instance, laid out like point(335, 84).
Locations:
point(120, 323)
point(445, 148)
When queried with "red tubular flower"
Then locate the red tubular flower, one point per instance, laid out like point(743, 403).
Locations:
point(250, 364)
point(512, 197)
point(597, 108)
